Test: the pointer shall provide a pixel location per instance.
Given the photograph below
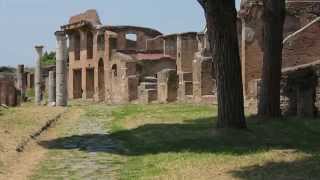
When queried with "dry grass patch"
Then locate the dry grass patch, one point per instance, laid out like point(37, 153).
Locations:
point(17, 124)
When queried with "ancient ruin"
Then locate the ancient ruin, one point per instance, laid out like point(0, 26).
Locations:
point(121, 64)
point(52, 88)
point(301, 48)
point(61, 69)
point(21, 82)
point(38, 76)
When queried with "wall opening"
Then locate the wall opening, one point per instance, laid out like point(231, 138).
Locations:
point(101, 81)
point(114, 70)
point(89, 45)
point(112, 46)
point(101, 42)
point(77, 46)
point(131, 40)
point(90, 83)
point(77, 83)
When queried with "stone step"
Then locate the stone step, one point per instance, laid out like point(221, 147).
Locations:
point(148, 95)
point(150, 79)
point(148, 85)
point(152, 94)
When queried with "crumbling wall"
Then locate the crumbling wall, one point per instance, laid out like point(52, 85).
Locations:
point(300, 49)
point(187, 46)
point(155, 44)
point(152, 67)
point(142, 35)
point(167, 85)
point(90, 15)
point(298, 91)
point(170, 45)
point(204, 84)
point(8, 93)
point(123, 81)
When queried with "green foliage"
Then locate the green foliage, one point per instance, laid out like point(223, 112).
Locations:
point(7, 69)
point(49, 58)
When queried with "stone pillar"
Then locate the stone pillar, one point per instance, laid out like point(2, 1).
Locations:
point(52, 89)
point(37, 76)
point(61, 69)
point(20, 82)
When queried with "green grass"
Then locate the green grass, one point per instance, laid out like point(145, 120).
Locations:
point(181, 142)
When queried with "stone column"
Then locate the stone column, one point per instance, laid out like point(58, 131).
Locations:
point(37, 76)
point(20, 83)
point(52, 89)
point(61, 69)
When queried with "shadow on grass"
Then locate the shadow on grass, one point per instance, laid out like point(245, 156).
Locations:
point(308, 168)
point(199, 136)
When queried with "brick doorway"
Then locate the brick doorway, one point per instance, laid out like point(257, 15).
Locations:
point(101, 82)
point(90, 83)
point(77, 86)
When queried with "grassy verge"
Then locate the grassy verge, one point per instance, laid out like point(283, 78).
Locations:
point(180, 142)
point(18, 123)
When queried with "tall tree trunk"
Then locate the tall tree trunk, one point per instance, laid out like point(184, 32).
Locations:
point(221, 18)
point(274, 17)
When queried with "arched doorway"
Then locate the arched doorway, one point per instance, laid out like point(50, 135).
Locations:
point(101, 81)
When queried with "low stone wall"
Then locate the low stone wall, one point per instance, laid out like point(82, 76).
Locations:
point(9, 95)
point(300, 93)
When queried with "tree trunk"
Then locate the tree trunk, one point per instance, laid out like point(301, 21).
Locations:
point(274, 16)
point(222, 32)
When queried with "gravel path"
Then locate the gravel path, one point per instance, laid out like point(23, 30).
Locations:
point(81, 150)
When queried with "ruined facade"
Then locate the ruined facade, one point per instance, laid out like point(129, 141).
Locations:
point(300, 90)
point(121, 64)
point(299, 86)
point(301, 39)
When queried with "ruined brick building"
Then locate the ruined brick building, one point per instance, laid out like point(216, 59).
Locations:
point(121, 64)
point(299, 49)
point(301, 54)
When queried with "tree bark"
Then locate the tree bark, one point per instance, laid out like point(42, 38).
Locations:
point(274, 17)
point(222, 32)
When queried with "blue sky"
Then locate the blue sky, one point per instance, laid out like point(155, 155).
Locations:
point(25, 23)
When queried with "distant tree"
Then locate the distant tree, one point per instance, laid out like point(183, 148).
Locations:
point(274, 17)
point(221, 16)
point(7, 69)
point(49, 58)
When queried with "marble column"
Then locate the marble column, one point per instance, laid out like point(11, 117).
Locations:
point(52, 89)
point(61, 69)
point(37, 76)
point(20, 82)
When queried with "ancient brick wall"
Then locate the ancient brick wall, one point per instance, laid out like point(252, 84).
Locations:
point(152, 67)
point(167, 85)
point(170, 46)
point(155, 44)
point(187, 47)
point(299, 90)
point(300, 49)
